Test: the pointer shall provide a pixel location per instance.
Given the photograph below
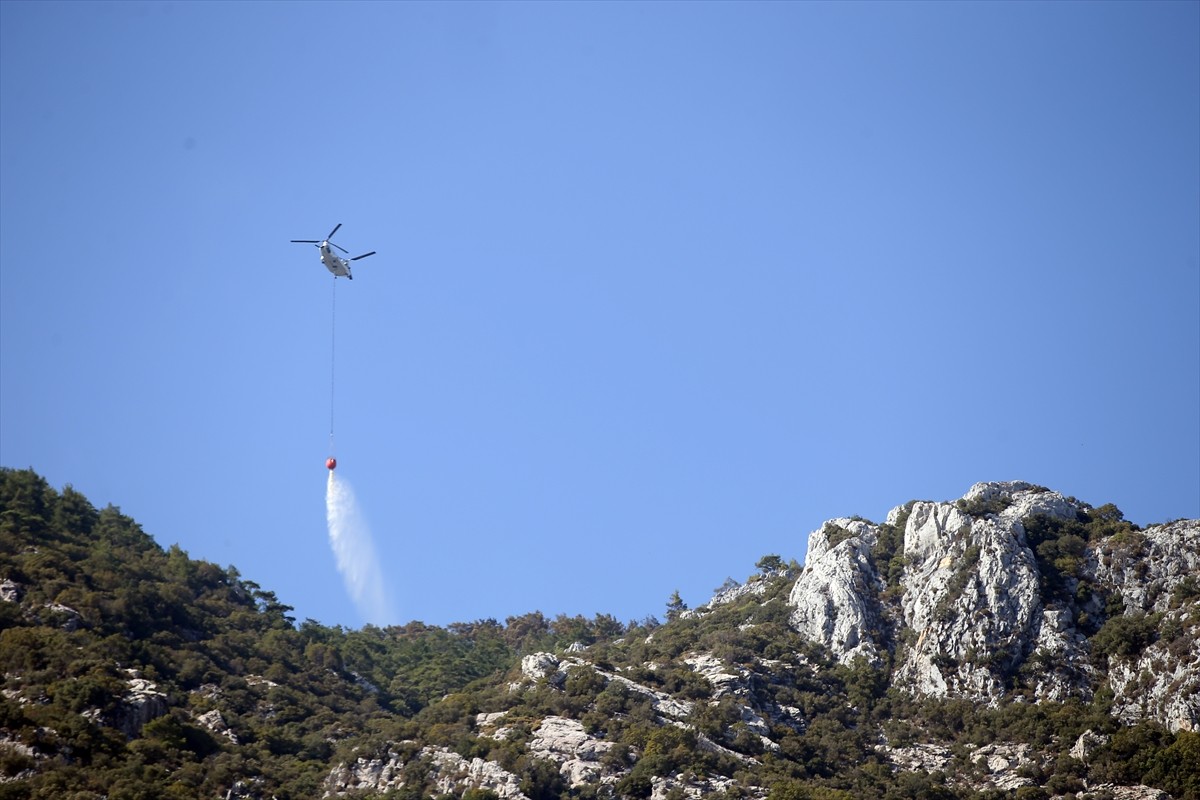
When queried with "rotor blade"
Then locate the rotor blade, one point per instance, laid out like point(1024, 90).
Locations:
point(339, 247)
point(306, 241)
point(332, 232)
point(364, 255)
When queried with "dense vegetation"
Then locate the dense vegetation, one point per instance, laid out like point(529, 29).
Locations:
point(100, 601)
point(245, 702)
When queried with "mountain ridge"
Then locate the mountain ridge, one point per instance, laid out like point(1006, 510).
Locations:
point(1011, 643)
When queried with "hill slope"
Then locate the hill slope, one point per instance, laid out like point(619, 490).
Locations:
point(1012, 643)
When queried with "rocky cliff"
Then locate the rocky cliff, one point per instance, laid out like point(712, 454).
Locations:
point(975, 611)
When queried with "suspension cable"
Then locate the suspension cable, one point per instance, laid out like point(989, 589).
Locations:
point(332, 359)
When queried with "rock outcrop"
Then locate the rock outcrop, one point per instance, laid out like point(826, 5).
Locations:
point(979, 611)
point(10, 591)
point(1157, 577)
point(375, 775)
point(971, 597)
point(565, 742)
point(836, 598)
point(448, 771)
point(141, 703)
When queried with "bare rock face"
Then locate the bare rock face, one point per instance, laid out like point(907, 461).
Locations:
point(565, 742)
point(1131, 792)
point(453, 774)
point(142, 703)
point(1004, 764)
point(724, 680)
point(214, 721)
point(538, 665)
point(450, 773)
point(365, 775)
point(755, 586)
point(694, 788)
point(1087, 743)
point(965, 610)
point(1161, 684)
point(1156, 575)
point(972, 595)
point(835, 598)
point(736, 681)
point(546, 666)
point(1146, 568)
point(10, 592)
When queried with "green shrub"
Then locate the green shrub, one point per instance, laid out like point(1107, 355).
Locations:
point(1126, 636)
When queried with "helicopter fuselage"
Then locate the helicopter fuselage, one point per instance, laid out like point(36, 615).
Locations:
point(339, 266)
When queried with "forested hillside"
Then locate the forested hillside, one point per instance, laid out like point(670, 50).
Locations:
point(117, 652)
point(131, 671)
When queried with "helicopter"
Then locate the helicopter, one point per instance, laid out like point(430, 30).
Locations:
point(340, 267)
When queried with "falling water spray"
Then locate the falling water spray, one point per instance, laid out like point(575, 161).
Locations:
point(350, 538)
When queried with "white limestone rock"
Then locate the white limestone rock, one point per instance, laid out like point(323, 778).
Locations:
point(661, 702)
point(1138, 792)
point(547, 666)
point(577, 753)
point(924, 757)
point(449, 772)
point(214, 721)
point(1004, 763)
point(452, 774)
point(141, 703)
point(1088, 742)
point(12, 745)
point(757, 585)
point(972, 595)
point(712, 669)
point(10, 591)
point(375, 775)
point(1163, 681)
point(1019, 499)
point(362, 682)
point(693, 788)
point(971, 599)
point(538, 665)
point(245, 789)
point(488, 725)
point(1146, 567)
point(489, 719)
point(1064, 649)
point(973, 610)
point(1000, 762)
point(735, 681)
point(835, 599)
point(1033, 502)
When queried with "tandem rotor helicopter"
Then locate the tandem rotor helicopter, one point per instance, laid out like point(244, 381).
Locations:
point(340, 267)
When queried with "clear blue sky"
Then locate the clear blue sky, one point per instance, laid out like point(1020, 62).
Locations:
point(659, 287)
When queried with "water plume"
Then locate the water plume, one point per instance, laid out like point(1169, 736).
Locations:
point(350, 538)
